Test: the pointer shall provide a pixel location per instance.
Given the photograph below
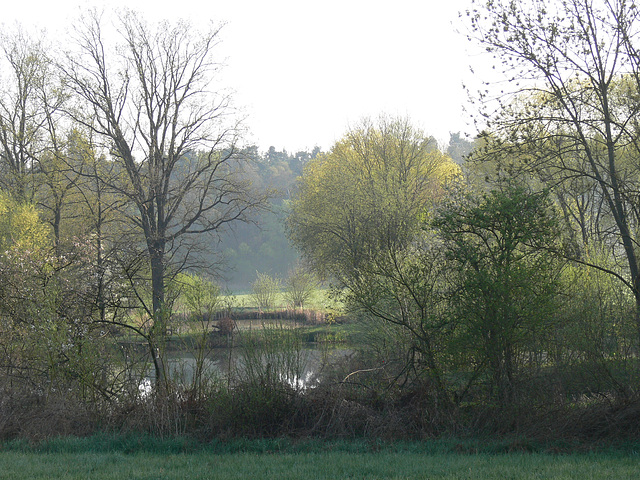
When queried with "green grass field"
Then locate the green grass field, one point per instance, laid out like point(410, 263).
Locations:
point(135, 458)
point(320, 300)
point(327, 465)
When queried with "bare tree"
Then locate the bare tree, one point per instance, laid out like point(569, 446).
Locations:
point(170, 134)
point(29, 102)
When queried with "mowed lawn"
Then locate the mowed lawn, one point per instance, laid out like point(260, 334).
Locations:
point(323, 465)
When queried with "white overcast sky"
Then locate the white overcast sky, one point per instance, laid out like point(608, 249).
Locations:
point(303, 71)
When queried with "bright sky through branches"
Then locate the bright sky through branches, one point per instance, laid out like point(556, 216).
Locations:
point(304, 71)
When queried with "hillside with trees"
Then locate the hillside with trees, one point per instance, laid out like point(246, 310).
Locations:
point(262, 244)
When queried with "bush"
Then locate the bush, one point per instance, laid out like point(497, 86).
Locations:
point(226, 325)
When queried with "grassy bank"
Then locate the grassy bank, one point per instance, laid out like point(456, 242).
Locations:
point(147, 458)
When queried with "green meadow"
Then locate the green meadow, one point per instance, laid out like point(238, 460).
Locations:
point(136, 458)
point(314, 465)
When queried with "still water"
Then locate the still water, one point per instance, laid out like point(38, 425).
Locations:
point(301, 368)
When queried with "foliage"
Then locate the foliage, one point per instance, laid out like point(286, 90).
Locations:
point(357, 219)
point(265, 291)
point(200, 295)
point(300, 286)
point(202, 298)
point(366, 196)
point(504, 283)
point(269, 378)
point(595, 336)
point(400, 297)
point(459, 313)
point(48, 330)
point(20, 226)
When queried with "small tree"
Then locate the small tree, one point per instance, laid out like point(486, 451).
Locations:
point(265, 291)
point(202, 298)
point(504, 281)
point(300, 286)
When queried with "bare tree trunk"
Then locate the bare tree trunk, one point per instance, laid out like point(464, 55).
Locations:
point(160, 312)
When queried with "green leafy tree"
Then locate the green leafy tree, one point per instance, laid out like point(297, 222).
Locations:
point(20, 226)
point(48, 334)
point(366, 196)
point(357, 219)
point(202, 297)
point(504, 280)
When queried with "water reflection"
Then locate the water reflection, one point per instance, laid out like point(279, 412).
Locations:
point(230, 365)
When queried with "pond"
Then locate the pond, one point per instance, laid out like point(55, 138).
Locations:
point(299, 368)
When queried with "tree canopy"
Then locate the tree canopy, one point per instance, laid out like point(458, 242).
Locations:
point(367, 195)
